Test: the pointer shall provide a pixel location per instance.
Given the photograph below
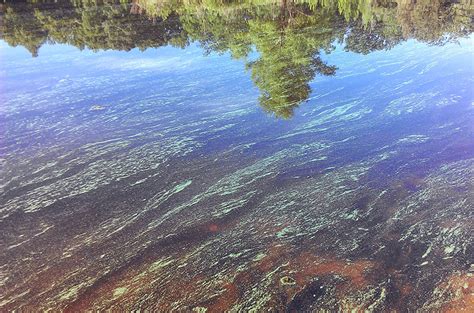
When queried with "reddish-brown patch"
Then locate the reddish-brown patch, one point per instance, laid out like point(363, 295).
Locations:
point(303, 268)
point(213, 228)
point(308, 265)
point(274, 255)
point(174, 290)
point(406, 290)
point(189, 290)
point(225, 301)
point(462, 290)
point(179, 289)
point(231, 293)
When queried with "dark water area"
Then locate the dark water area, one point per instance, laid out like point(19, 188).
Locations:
point(210, 156)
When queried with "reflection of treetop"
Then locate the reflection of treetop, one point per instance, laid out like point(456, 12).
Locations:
point(288, 35)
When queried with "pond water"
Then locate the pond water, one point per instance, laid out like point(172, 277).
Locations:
point(239, 155)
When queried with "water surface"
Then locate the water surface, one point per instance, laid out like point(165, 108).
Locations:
point(297, 156)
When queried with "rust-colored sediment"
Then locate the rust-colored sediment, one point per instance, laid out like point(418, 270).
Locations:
point(461, 288)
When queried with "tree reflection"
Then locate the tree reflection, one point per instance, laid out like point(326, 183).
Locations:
point(280, 41)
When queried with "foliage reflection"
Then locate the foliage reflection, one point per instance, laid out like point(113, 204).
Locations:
point(287, 36)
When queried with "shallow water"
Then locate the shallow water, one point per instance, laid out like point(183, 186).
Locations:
point(290, 156)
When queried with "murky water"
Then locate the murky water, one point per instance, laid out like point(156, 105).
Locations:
point(254, 155)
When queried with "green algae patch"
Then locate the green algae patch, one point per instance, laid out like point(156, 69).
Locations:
point(119, 291)
point(69, 293)
point(182, 186)
point(259, 257)
point(160, 264)
point(287, 281)
point(285, 231)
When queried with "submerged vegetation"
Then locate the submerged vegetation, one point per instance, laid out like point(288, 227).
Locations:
point(288, 36)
